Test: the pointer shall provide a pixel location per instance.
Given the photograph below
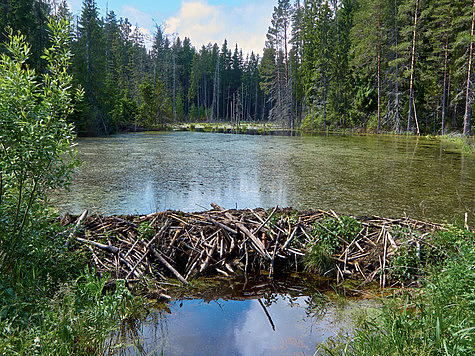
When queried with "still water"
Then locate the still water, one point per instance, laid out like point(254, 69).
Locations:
point(361, 175)
point(274, 322)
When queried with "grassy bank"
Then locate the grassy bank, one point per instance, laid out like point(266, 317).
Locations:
point(51, 303)
point(464, 143)
point(437, 319)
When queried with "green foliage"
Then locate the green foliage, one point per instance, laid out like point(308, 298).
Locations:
point(439, 319)
point(77, 318)
point(329, 234)
point(416, 258)
point(47, 306)
point(36, 141)
point(146, 230)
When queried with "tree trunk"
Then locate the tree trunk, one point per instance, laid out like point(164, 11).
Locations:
point(413, 60)
point(396, 124)
point(379, 67)
point(446, 61)
point(467, 120)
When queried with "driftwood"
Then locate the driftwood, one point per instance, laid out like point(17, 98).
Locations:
point(226, 242)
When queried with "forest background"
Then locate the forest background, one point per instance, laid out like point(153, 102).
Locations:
point(366, 65)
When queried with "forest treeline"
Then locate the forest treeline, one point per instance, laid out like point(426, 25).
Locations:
point(378, 65)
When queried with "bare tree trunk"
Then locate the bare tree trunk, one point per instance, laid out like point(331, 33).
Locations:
point(397, 123)
point(174, 87)
point(467, 120)
point(413, 60)
point(379, 67)
point(446, 60)
point(255, 109)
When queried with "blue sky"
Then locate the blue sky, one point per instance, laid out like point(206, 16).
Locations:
point(244, 22)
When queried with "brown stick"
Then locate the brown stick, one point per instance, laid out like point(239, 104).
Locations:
point(256, 242)
point(162, 230)
point(217, 223)
point(263, 222)
point(169, 266)
point(107, 248)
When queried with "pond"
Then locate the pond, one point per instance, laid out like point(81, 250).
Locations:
point(361, 175)
point(141, 173)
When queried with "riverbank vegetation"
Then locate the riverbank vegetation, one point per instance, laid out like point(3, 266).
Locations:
point(438, 319)
point(50, 301)
point(432, 314)
point(393, 66)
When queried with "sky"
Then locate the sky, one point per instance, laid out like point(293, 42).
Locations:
point(241, 22)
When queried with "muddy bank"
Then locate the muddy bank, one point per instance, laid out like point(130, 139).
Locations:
point(173, 245)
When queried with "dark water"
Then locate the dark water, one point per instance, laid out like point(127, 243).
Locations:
point(390, 176)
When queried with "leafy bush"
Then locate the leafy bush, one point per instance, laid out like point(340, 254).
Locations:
point(415, 258)
point(34, 136)
point(47, 306)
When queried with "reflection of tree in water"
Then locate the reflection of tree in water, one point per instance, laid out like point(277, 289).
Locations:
point(317, 305)
point(134, 334)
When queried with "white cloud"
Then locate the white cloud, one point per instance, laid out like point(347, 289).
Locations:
point(205, 23)
point(141, 20)
point(136, 16)
point(74, 5)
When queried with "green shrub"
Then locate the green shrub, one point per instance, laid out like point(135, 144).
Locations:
point(47, 306)
point(327, 237)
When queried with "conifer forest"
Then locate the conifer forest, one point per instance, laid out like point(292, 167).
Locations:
point(370, 65)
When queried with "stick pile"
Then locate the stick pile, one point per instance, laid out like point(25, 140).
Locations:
point(181, 246)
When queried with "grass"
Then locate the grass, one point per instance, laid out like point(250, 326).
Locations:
point(466, 144)
point(58, 306)
point(438, 319)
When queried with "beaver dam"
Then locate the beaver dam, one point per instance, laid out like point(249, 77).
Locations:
point(174, 245)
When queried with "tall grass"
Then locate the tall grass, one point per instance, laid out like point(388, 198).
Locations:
point(326, 235)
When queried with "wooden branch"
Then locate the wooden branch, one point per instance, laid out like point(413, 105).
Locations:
point(217, 223)
point(257, 243)
point(107, 248)
point(73, 232)
point(169, 266)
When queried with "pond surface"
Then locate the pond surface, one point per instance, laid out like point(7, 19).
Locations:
point(361, 175)
point(248, 323)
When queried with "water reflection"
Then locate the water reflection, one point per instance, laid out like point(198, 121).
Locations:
point(276, 325)
point(146, 172)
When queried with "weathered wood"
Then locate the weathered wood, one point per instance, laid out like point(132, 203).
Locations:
point(169, 266)
point(257, 243)
point(76, 227)
point(107, 248)
point(217, 223)
point(207, 242)
point(147, 246)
